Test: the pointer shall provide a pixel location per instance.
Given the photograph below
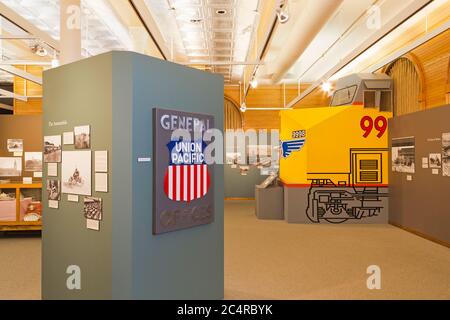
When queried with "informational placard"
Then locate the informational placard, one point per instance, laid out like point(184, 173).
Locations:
point(68, 138)
point(424, 162)
point(101, 182)
point(93, 224)
point(72, 198)
point(52, 169)
point(27, 180)
point(101, 161)
point(53, 204)
point(37, 174)
point(183, 191)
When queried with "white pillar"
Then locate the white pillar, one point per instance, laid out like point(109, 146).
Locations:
point(140, 39)
point(70, 24)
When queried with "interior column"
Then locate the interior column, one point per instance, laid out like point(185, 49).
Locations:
point(70, 24)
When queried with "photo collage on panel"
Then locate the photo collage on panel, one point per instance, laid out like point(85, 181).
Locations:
point(73, 151)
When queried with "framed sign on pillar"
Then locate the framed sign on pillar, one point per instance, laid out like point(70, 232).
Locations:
point(183, 192)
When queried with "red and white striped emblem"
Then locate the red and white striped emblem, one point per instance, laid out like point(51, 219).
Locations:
point(186, 182)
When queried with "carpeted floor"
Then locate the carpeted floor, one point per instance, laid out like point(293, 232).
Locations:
point(276, 260)
point(20, 268)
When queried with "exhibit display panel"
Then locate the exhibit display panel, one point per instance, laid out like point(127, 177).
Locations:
point(244, 171)
point(334, 165)
point(20, 173)
point(101, 157)
point(186, 199)
point(419, 173)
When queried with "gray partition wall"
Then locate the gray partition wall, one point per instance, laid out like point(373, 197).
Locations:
point(418, 201)
point(115, 93)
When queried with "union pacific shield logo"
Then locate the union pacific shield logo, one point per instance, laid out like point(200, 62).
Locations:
point(186, 182)
point(187, 176)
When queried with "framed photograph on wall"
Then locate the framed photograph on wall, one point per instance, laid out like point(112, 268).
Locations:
point(10, 167)
point(76, 173)
point(54, 189)
point(93, 208)
point(33, 161)
point(446, 154)
point(403, 155)
point(52, 149)
point(82, 137)
point(435, 160)
point(15, 145)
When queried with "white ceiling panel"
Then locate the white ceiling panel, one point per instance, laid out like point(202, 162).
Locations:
point(101, 29)
point(212, 30)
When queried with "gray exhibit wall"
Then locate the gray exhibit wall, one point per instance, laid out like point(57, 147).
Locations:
point(115, 93)
point(418, 200)
point(239, 186)
point(77, 94)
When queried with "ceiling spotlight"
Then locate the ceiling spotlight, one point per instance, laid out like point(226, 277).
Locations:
point(327, 87)
point(39, 50)
point(55, 61)
point(254, 83)
point(283, 13)
point(243, 107)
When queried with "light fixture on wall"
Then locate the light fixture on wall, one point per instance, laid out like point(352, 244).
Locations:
point(282, 12)
point(254, 83)
point(243, 107)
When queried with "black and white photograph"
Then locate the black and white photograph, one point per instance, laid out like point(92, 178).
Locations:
point(403, 155)
point(33, 161)
point(76, 172)
point(15, 145)
point(82, 137)
point(233, 158)
point(10, 167)
point(54, 189)
point(446, 154)
point(93, 208)
point(52, 149)
point(435, 160)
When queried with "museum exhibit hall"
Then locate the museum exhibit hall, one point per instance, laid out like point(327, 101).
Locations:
point(225, 150)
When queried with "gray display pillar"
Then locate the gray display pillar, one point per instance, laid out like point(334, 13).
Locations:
point(114, 94)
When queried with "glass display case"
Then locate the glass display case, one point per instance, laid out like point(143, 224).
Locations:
point(20, 206)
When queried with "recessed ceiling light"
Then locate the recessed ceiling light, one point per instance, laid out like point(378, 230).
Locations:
point(221, 11)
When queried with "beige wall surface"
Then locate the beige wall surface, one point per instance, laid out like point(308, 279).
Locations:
point(28, 128)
